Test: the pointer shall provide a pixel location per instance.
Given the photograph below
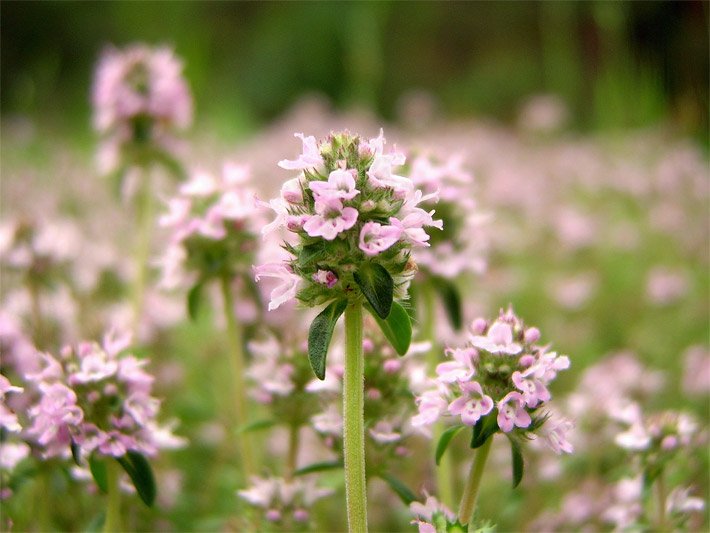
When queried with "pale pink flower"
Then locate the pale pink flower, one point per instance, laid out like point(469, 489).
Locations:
point(381, 175)
point(432, 404)
point(554, 433)
point(8, 419)
point(499, 339)
point(330, 220)
point(11, 453)
point(309, 158)
point(680, 501)
point(511, 412)
point(325, 277)
point(340, 185)
point(292, 190)
point(288, 287)
point(636, 438)
point(376, 238)
point(533, 389)
point(424, 513)
point(383, 433)
point(696, 374)
point(461, 368)
point(472, 405)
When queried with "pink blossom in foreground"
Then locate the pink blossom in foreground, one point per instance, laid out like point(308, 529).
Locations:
point(472, 405)
point(511, 412)
point(340, 186)
point(376, 238)
point(330, 219)
point(288, 287)
point(310, 157)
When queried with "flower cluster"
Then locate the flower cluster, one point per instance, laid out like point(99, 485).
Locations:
point(461, 244)
point(140, 98)
point(348, 208)
point(501, 372)
point(432, 515)
point(97, 399)
point(285, 502)
point(213, 223)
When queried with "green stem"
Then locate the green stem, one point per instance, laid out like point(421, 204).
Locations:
point(144, 217)
point(661, 502)
point(473, 483)
point(353, 421)
point(292, 457)
point(234, 337)
point(445, 470)
point(113, 503)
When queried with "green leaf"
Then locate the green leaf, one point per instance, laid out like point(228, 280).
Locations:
point(484, 429)
point(451, 298)
point(320, 333)
point(257, 425)
point(397, 327)
point(444, 441)
point(194, 300)
point(76, 453)
point(318, 467)
point(310, 253)
point(404, 493)
point(98, 472)
point(518, 463)
point(141, 474)
point(377, 286)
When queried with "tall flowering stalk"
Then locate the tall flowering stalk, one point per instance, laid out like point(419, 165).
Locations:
point(356, 222)
point(456, 251)
point(95, 403)
point(141, 101)
point(214, 225)
point(497, 383)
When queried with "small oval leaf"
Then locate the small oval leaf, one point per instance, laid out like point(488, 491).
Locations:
point(320, 333)
point(397, 327)
point(444, 441)
point(405, 494)
point(99, 473)
point(451, 298)
point(194, 300)
point(138, 469)
point(318, 467)
point(484, 428)
point(378, 287)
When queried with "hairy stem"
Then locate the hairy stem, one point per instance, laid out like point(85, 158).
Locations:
point(473, 483)
point(236, 359)
point(292, 457)
point(661, 502)
point(113, 502)
point(353, 421)
point(445, 470)
point(145, 221)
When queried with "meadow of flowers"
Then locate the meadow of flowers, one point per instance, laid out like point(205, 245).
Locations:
point(426, 325)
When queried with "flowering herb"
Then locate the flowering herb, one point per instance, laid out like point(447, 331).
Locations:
point(96, 402)
point(497, 383)
point(356, 222)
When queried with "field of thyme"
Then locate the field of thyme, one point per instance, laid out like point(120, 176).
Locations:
point(336, 322)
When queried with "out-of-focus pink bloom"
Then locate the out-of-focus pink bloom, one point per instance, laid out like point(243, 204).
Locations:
point(665, 286)
point(511, 412)
point(376, 238)
point(680, 501)
point(383, 433)
point(554, 433)
point(696, 374)
point(309, 158)
point(381, 175)
point(636, 438)
point(8, 419)
point(329, 422)
point(288, 287)
point(472, 405)
point(292, 190)
point(331, 218)
point(424, 513)
point(432, 404)
point(11, 453)
point(499, 339)
point(340, 186)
